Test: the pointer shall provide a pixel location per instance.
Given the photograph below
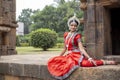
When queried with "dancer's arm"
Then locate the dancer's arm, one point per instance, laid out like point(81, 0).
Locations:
point(83, 50)
point(85, 53)
point(63, 51)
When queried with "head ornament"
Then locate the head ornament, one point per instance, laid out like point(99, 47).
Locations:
point(73, 19)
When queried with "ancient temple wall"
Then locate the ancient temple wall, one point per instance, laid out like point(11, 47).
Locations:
point(97, 26)
point(96, 30)
point(89, 28)
point(8, 26)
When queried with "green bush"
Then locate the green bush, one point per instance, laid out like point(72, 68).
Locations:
point(60, 40)
point(24, 44)
point(60, 34)
point(59, 45)
point(43, 38)
point(24, 39)
point(17, 41)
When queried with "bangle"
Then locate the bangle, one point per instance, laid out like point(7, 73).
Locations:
point(90, 58)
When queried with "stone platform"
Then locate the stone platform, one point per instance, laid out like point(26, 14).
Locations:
point(33, 67)
point(113, 57)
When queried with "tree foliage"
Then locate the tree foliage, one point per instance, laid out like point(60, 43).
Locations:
point(17, 41)
point(52, 17)
point(25, 18)
point(55, 18)
point(43, 38)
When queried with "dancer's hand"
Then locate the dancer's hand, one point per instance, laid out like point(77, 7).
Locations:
point(92, 61)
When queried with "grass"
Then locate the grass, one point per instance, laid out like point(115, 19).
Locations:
point(32, 50)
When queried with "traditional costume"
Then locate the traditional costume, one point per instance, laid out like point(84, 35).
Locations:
point(62, 66)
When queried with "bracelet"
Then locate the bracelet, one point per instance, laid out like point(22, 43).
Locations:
point(90, 58)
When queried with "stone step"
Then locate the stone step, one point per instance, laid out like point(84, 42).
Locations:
point(34, 67)
point(113, 57)
point(106, 72)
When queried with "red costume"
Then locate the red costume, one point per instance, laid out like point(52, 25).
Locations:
point(62, 66)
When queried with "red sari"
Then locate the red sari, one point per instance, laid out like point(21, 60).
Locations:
point(62, 66)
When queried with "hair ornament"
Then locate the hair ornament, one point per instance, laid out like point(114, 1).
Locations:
point(73, 19)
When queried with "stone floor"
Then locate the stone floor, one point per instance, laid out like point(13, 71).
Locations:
point(29, 59)
point(39, 58)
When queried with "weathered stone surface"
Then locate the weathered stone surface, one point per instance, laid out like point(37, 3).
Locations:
point(2, 77)
point(8, 26)
point(91, 13)
point(112, 57)
point(8, 77)
point(6, 29)
point(98, 73)
point(31, 70)
point(4, 68)
point(16, 69)
point(91, 37)
point(23, 67)
point(44, 74)
point(99, 24)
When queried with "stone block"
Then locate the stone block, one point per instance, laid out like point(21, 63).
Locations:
point(31, 70)
point(44, 74)
point(91, 13)
point(100, 50)
point(16, 69)
point(25, 78)
point(112, 57)
point(90, 33)
point(99, 14)
point(2, 77)
point(99, 32)
point(96, 73)
point(8, 77)
point(75, 76)
point(8, 20)
point(91, 49)
point(4, 68)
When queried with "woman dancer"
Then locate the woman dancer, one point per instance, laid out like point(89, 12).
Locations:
point(63, 65)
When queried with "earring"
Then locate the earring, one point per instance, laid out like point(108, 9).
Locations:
point(69, 28)
point(76, 29)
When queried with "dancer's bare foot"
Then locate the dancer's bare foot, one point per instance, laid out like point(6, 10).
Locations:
point(110, 62)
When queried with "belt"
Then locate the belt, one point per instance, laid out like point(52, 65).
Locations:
point(74, 50)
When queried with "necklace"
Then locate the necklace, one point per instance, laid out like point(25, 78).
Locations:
point(69, 39)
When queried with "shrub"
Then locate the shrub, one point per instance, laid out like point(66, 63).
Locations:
point(17, 41)
point(60, 40)
point(43, 38)
point(24, 39)
point(24, 44)
point(60, 34)
point(59, 45)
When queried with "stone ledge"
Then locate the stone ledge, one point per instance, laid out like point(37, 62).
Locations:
point(113, 57)
point(34, 66)
point(97, 73)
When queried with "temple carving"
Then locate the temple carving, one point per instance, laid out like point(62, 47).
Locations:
point(8, 26)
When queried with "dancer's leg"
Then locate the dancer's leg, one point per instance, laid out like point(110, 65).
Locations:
point(87, 63)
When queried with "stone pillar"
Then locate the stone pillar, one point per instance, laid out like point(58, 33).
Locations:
point(99, 31)
point(8, 26)
point(90, 28)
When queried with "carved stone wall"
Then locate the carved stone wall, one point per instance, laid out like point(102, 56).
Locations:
point(7, 27)
point(97, 26)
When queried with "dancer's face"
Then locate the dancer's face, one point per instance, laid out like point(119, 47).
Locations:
point(73, 26)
